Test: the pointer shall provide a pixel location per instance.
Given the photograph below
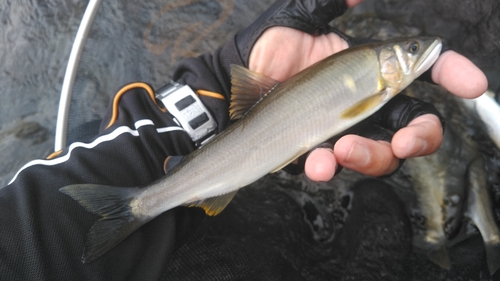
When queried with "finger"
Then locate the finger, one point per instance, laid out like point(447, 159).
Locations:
point(352, 3)
point(320, 165)
point(459, 75)
point(422, 136)
point(369, 157)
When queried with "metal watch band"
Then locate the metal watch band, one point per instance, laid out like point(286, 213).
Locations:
point(189, 111)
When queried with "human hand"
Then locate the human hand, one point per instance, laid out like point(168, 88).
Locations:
point(280, 52)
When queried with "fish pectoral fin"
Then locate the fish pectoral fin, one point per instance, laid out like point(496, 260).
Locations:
point(363, 106)
point(440, 257)
point(287, 162)
point(214, 205)
point(170, 162)
point(247, 89)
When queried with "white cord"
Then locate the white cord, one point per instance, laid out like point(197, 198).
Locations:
point(69, 77)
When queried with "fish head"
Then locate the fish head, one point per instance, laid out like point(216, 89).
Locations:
point(402, 61)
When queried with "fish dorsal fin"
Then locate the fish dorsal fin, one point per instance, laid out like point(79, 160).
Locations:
point(363, 106)
point(213, 206)
point(247, 89)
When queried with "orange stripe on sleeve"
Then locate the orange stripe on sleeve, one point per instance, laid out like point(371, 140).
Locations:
point(210, 94)
point(123, 90)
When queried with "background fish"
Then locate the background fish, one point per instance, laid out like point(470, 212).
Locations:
point(296, 115)
point(480, 212)
point(440, 182)
point(448, 189)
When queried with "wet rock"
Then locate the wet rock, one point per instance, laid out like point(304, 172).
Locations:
point(30, 131)
point(20, 142)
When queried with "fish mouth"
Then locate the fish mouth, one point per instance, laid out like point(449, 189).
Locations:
point(429, 57)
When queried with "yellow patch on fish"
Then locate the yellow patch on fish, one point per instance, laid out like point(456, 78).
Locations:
point(350, 83)
point(381, 84)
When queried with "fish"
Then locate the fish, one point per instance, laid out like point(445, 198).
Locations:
point(439, 181)
point(450, 187)
point(480, 212)
point(275, 122)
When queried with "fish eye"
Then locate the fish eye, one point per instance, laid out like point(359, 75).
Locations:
point(412, 47)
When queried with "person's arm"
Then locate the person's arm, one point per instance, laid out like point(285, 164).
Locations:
point(43, 231)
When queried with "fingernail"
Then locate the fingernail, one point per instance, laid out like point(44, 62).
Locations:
point(417, 146)
point(359, 155)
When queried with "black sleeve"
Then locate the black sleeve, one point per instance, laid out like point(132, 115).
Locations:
point(211, 72)
point(43, 231)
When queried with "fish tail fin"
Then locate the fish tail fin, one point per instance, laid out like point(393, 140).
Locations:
point(492, 256)
point(117, 221)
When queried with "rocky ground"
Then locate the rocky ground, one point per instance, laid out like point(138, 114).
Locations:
point(282, 227)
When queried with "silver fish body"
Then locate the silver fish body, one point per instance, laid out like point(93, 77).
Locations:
point(276, 131)
point(295, 116)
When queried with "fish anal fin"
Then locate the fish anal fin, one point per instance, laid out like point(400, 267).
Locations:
point(440, 257)
point(363, 106)
point(247, 89)
point(214, 205)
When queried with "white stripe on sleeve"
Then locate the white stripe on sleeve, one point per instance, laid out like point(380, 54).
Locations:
point(105, 138)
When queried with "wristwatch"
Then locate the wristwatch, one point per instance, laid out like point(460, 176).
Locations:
point(189, 111)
